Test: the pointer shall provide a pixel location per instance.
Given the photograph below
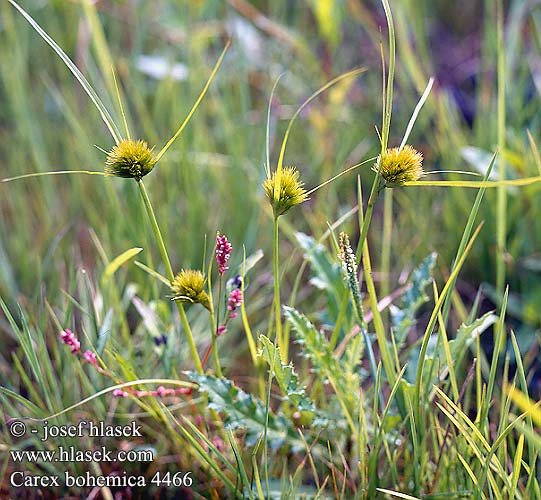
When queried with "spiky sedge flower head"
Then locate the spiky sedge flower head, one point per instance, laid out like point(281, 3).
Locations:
point(130, 159)
point(223, 252)
point(189, 287)
point(290, 191)
point(400, 165)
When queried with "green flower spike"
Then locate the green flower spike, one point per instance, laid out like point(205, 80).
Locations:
point(189, 287)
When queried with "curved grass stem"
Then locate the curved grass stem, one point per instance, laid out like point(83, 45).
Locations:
point(169, 272)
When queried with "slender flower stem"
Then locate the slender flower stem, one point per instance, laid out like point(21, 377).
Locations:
point(277, 309)
point(215, 331)
point(170, 274)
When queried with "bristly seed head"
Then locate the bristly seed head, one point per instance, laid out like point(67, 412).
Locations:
point(189, 287)
point(349, 266)
point(130, 159)
point(347, 256)
point(400, 165)
point(290, 191)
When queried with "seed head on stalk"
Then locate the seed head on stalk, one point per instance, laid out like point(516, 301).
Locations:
point(130, 159)
point(284, 190)
point(189, 287)
point(400, 165)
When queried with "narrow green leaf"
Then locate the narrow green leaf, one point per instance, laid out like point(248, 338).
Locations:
point(106, 117)
point(197, 102)
point(113, 266)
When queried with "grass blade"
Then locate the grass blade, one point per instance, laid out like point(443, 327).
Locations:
point(106, 117)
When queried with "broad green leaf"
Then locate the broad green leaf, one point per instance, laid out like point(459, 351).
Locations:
point(327, 276)
point(113, 266)
point(244, 411)
point(21, 399)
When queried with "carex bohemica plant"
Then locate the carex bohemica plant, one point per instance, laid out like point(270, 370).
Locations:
point(189, 287)
point(284, 190)
point(130, 158)
point(399, 165)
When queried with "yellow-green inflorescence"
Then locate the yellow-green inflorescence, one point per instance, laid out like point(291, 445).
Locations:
point(130, 159)
point(290, 191)
point(189, 287)
point(400, 165)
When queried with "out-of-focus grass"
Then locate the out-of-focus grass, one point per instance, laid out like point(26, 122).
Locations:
point(58, 234)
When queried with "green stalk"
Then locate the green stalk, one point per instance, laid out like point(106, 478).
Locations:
point(376, 189)
point(170, 274)
point(277, 309)
point(215, 323)
point(387, 237)
point(501, 219)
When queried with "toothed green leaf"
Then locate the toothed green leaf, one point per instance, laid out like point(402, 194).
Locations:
point(243, 411)
point(285, 376)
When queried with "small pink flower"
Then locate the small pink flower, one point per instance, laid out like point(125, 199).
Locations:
point(90, 357)
point(235, 300)
point(69, 338)
point(223, 252)
point(221, 330)
point(219, 443)
point(119, 393)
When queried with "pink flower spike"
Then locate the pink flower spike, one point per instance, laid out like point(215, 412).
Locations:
point(69, 338)
point(90, 357)
point(223, 252)
point(235, 299)
point(119, 393)
point(221, 330)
